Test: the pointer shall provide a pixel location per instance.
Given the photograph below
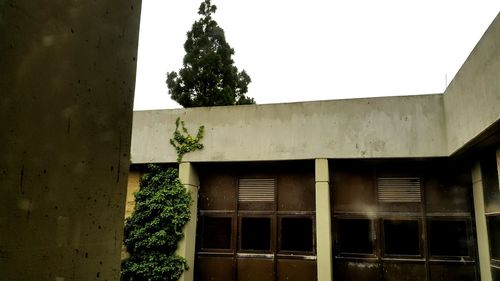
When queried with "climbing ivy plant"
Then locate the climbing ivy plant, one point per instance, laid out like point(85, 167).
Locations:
point(153, 231)
point(183, 142)
point(162, 209)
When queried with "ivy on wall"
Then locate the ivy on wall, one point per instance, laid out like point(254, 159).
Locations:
point(183, 142)
point(162, 209)
point(156, 226)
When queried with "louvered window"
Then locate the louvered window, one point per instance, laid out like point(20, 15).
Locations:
point(256, 190)
point(399, 190)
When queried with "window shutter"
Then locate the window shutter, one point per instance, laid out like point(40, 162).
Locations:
point(399, 190)
point(256, 190)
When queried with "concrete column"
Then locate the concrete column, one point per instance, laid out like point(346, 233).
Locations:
point(498, 165)
point(323, 221)
point(67, 79)
point(186, 248)
point(481, 227)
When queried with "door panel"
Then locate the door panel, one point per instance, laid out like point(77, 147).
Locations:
point(356, 271)
point(450, 272)
point(296, 270)
point(254, 269)
point(396, 271)
point(214, 269)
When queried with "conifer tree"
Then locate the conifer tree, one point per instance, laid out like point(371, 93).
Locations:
point(208, 76)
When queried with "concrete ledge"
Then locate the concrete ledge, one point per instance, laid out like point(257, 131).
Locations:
point(410, 126)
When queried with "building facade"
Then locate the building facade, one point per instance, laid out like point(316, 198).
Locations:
point(391, 188)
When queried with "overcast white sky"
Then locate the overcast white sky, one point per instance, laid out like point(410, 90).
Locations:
point(319, 49)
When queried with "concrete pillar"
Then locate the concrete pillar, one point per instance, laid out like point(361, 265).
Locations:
point(498, 166)
point(323, 221)
point(481, 227)
point(186, 248)
point(67, 79)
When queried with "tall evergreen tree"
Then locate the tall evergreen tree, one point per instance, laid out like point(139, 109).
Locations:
point(208, 76)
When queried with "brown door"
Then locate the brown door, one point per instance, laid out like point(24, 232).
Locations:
point(257, 224)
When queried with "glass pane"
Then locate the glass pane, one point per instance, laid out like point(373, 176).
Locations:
point(495, 272)
point(401, 237)
point(493, 234)
point(489, 173)
point(297, 234)
point(256, 233)
point(216, 233)
point(448, 238)
point(355, 236)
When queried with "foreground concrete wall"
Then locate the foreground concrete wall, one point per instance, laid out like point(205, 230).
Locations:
point(410, 126)
point(67, 72)
point(472, 100)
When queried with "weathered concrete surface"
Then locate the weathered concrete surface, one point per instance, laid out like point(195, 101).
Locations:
point(411, 126)
point(67, 72)
point(472, 100)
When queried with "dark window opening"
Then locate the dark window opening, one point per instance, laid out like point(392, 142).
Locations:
point(256, 234)
point(216, 233)
point(493, 234)
point(355, 236)
point(402, 237)
point(448, 238)
point(495, 272)
point(297, 234)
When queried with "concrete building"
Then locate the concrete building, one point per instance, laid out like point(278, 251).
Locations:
point(390, 188)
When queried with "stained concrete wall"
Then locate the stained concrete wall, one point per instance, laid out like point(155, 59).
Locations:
point(67, 72)
point(411, 126)
point(133, 186)
point(472, 100)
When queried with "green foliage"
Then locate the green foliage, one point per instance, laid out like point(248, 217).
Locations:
point(208, 76)
point(156, 226)
point(183, 141)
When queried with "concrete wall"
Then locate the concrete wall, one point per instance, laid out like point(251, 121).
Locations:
point(472, 100)
point(67, 72)
point(133, 186)
point(410, 126)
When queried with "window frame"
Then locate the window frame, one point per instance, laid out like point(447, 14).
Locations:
point(374, 236)
point(272, 232)
point(421, 243)
point(495, 261)
point(469, 237)
point(200, 239)
point(280, 218)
